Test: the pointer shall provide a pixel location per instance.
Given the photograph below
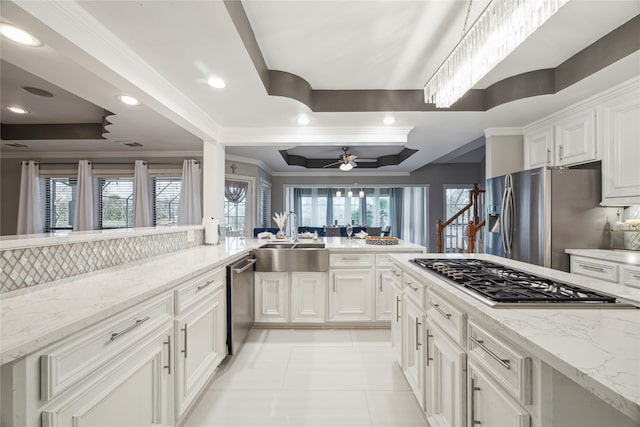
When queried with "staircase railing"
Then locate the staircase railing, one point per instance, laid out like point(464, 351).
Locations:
point(468, 217)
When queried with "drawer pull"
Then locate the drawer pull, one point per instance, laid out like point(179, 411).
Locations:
point(397, 309)
point(427, 348)
point(418, 344)
point(635, 276)
point(591, 268)
point(437, 307)
point(416, 289)
point(353, 258)
point(138, 322)
point(480, 343)
point(201, 287)
point(474, 422)
point(186, 335)
point(168, 365)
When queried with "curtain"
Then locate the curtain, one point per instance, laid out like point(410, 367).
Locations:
point(414, 224)
point(190, 212)
point(141, 196)
point(363, 209)
point(235, 191)
point(30, 203)
point(84, 218)
point(395, 212)
point(329, 219)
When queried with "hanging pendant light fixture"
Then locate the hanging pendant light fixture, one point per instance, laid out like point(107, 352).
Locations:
point(349, 194)
point(338, 193)
point(361, 194)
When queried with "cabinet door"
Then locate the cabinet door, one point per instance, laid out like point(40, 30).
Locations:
point(272, 297)
point(445, 380)
point(200, 338)
point(538, 148)
point(134, 391)
point(575, 139)
point(621, 140)
point(396, 325)
point(308, 292)
point(413, 353)
point(350, 295)
point(384, 294)
point(489, 405)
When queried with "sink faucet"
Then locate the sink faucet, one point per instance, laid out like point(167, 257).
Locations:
point(294, 227)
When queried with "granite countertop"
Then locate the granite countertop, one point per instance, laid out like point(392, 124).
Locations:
point(615, 255)
point(34, 317)
point(597, 348)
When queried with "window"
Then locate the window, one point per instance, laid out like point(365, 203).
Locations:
point(264, 205)
point(237, 196)
point(166, 200)
point(115, 197)
point(59, 199)
point(456, 197)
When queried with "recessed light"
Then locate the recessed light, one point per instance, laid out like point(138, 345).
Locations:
point(17, 109)
point(303, 120)
point(389, 120)
point(18, 35)
point(37, 91)
point(129, 100)
point(216, 82)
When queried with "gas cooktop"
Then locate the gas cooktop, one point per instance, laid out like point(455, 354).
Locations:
point(501, 286)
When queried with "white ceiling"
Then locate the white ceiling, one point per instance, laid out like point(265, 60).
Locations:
point(163, 52)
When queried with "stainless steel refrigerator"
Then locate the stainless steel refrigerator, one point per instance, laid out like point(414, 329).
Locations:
point(534, 215)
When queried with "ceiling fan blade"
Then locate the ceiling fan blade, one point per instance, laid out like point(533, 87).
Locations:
point(352, 163)
point(350, 157)
point(333, 164)
point(366, 160)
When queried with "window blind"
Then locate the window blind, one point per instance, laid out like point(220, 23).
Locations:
point(115, 198)
point(58, 199)
point(166, 200)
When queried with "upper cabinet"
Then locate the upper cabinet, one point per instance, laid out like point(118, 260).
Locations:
point(538, 148)
point(575, 139)
point(621, 157)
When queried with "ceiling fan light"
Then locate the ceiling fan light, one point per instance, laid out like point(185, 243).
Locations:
point(346, 167)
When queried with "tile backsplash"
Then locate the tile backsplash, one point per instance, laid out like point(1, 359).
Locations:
point(31, 266)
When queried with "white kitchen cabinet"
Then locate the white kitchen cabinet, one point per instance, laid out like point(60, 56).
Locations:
point(133, 390)
point(575, 139)
point(350, 295)
point(621, 140)
point(538, 148)
point(271, 297)
point(489, 405)
point(384, 294)
point(413, 351)
point(445, 379)
point(200, 347)
point(396, 318)
point(308, 292)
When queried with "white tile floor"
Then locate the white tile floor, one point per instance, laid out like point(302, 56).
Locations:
point(322, 378)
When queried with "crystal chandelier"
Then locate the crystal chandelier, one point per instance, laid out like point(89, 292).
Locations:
point(499, 30)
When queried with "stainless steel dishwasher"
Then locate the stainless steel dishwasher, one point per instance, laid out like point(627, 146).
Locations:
point(239, 302)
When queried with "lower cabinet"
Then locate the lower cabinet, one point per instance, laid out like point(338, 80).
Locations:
point(384, 294)
point(133, 391)
point(272, 297)
point(308, 297)
point(200, 347)
point(489, 405)
point(396, 324)
point(413, 350)
point(350, 295)
point(445, 379)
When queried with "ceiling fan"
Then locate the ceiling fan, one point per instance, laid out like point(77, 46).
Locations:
point(347, 161)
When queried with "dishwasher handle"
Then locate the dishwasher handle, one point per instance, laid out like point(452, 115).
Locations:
point(250, 262)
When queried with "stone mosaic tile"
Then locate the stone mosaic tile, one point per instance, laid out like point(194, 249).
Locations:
point(21, 268)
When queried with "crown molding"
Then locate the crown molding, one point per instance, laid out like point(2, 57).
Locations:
point(507, 131)
point(259, 163)
point(74, 23)
point(89, 155)
point(342, 174)
point(330, 136)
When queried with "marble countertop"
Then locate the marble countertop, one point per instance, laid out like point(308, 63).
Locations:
point(34, 317)
point(597, 348)
point(623, 256)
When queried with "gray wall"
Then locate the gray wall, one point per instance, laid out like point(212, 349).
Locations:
point(9, 195)
point(435, 175)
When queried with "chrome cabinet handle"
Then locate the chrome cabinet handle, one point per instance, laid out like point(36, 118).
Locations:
point(168, 365)
point(334, 285)
point(138, 322)
point(416, 289)
point(418, 344)
point(427, 347)
point(381, 277)
point(437, 307)
point(473, 402)
point(591, 268)
point(548, 156)
point(201, 287)
point(186, 335)
point(246, 267)
point(480, 343)
point(635, 276)
point(561, 152)
point(397, 309)
point(350, 258)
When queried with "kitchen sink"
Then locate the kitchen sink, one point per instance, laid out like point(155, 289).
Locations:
point(292, 256)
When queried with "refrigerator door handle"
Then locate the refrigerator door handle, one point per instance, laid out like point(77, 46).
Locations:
point(508, 214)
point(503, 219)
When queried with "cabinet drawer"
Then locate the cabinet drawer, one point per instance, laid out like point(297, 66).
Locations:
point(452, 321)
point(630, 276)
point(506, 364)
point(413, 289)
point(396, 273)
point(594, 268)
point(193, 290)
point(73, 359)
point(351, 260)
